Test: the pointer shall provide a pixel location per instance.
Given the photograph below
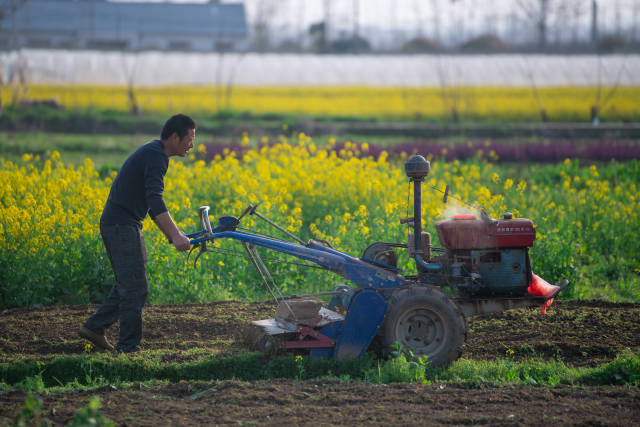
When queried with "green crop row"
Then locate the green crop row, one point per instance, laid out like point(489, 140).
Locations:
point(460, 103)
point(98, 370)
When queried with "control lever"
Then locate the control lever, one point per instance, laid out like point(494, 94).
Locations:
point(408, 220)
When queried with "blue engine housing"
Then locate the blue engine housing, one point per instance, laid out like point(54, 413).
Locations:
point(504, 272)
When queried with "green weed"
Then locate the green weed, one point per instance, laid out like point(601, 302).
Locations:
point(30, 412)
point(90, 415)
point(624, 369)
point(398, 370)
point(300, 367)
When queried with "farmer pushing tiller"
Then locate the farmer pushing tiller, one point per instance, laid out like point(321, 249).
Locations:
point(485, 262)
point(136, 190)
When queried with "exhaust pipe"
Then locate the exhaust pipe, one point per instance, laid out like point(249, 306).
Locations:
point(417, 168)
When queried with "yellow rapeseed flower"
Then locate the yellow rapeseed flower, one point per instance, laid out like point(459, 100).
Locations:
point(508, 183)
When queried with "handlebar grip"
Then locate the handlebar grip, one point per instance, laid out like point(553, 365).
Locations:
point(405, 220)
point(246, 211)
point(204, 218)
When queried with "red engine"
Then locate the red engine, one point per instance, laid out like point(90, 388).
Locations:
point(468, 232)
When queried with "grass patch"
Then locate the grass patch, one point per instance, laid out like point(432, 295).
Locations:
point(107, 121)
point(89, 369)
point(92, 370)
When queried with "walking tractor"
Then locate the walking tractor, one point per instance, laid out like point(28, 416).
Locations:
point(484, 266)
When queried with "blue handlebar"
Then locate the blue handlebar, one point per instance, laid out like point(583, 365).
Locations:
point(354, 269)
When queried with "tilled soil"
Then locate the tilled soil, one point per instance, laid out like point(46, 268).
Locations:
point(282, 402)
point(580, 333)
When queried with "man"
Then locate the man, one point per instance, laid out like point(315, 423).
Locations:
point(136, 191)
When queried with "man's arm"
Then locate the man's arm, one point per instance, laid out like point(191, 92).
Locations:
point(170, 229)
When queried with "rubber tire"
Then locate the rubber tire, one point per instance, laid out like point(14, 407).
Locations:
point(420, 306)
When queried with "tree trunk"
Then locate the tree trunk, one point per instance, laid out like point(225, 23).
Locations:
point(542, 24)
point(594, 26)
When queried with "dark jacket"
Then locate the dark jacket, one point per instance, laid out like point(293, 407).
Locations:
point(138, 187)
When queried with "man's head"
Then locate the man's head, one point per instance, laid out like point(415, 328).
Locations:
point(178, 134)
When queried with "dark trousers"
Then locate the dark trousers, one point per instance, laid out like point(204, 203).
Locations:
point(127, 253)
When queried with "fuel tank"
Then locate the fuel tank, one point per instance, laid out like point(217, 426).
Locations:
point(469, 232)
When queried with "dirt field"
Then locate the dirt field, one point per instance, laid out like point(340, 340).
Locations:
point(579, 333)
point(329, 403)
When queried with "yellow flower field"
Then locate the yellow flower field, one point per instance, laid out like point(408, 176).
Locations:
point(50, 249)
point(483, 103)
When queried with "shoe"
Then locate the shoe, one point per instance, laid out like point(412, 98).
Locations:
point(100, 341)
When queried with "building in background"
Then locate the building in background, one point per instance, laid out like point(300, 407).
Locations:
point(129, 26)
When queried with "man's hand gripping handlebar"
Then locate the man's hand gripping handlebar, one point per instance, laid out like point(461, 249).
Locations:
point(199, 239)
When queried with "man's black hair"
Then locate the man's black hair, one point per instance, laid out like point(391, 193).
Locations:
point(180, 124)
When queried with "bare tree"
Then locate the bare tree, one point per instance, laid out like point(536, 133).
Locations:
point(356, 19)
point(618, 14)
point(602, 99)
point(319, 31)
point(230, 79)
point(634, 25)
point(541, 13)
point(129, 63)
point(436, 21)
point(220, 50)
point(266, 9)
point(451, 91)
point(561, 23)
point(594, 25)
point(527, 69)
point(13, 68)
point(222, 46)
point(577, 11)
point(538, 12)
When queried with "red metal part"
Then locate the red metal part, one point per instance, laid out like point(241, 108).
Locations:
point(472, 233)
point(319, 340)
point(540, 287)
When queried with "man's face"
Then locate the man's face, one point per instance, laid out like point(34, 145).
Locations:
point(185, 144)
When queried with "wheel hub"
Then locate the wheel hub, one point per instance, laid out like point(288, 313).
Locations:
point(421, 330)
